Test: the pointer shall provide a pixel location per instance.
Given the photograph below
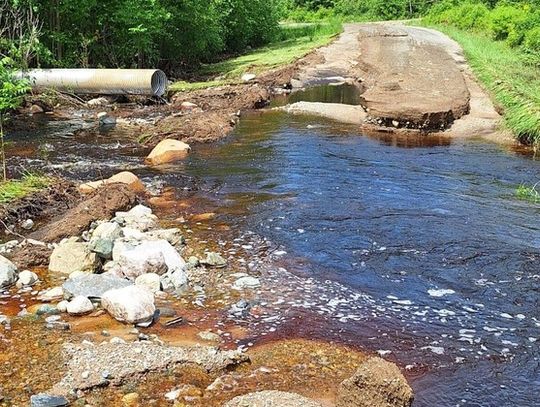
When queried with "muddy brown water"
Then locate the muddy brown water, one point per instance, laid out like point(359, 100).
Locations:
point(416, 250)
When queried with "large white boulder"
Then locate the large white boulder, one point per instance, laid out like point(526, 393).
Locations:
point(73, 256)
point(8, 273)
point(132, 304)
point(152, 256)
point(167, 151)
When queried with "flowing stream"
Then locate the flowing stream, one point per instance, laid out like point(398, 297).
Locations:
point(417, 250)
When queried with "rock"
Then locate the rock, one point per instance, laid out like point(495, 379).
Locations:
point(133, 359)
point(62, 306)
point(79, 306)
point(47, 400)
point(131, 304)
point(4, 320)
point(105, 119)
point(209, 336)
point(55, 293)
point(131, 400)
point(214, 259)
point(152, 256)
point(44, 309)
point(173, 281)
point(167, 151)
point(172, 395)
point(8, 273)
point(8, 246)
point(72, 256)
point(150, 281)
point(125, 177)
point(93, 285)
point(248, 77)
point(36, 109)
point(101, 101)
point(103, 237)
point(272, 398)
point(139, 218)
point(27, 224)
point(376, 383)
point(27, 278)
point(173, 235)
point(246, 282)
point(188, 106)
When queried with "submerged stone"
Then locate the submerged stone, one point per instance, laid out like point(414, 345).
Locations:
point(46, 400)
point(93, 285)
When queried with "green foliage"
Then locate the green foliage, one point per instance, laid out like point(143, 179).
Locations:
point(512, 80)
point(297, 41)
point(465, 16)
point(528, 193)
point(12, 90)
point(15, 189)
point(142, 33)
point(504, 21)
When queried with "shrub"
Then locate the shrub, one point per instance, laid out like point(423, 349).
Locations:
point(504, 22)
point(465, 16)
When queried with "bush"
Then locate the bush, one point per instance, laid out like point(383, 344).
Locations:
point(504, 21)
point(465, 16)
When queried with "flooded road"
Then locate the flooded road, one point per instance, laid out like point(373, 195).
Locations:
point(417, 250)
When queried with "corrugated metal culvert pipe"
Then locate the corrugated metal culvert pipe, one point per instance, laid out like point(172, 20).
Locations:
point(100, 81)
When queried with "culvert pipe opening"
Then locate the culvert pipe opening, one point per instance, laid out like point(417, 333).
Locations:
point(152, 82)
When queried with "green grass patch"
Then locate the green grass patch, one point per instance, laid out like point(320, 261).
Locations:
point(513, 81)
point(14, 189)
point(528, 193)
point(297, 40)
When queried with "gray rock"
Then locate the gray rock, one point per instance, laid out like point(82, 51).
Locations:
point(55, 293)
point(73, 256)
point(272, 398)
point(27, 278)
point(152, 256)
point(174, 281)
point(139, 217)
point(131, 304)
point(214, 259)
point(246, 283)
point(79, 306)
point(8, 246)
point(173, 236)
point(48, 309)
point(8, 273)
point(151, 281)
point(47, 400)
point(27, 224)
point(103, 237)
point(209, 336)
point(4, 320)
point(93, 285)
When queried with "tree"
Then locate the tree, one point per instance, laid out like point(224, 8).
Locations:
point(12, 91)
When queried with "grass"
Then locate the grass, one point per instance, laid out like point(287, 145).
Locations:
point(14, 189)
point(528, 193)
point(513, 83)
point(296, 41)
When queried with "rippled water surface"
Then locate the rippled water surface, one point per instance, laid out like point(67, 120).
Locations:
point(417, 250)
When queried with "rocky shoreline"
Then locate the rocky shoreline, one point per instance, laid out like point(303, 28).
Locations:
point(120, 264)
